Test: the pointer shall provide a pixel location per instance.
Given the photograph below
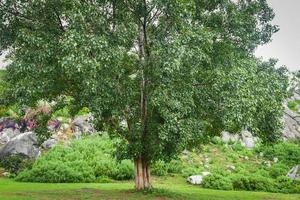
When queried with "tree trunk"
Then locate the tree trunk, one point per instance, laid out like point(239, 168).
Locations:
point(142, 174)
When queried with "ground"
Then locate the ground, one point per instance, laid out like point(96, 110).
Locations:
point(166, 188)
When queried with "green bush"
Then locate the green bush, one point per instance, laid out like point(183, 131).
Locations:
point(216, 181)
point(159, 168)
point(260, 183)
point(124, 170)
point(85, 160)
point(253, 183)
point(287, 153)
point(240, 182)
point(278, 169)
point(15, 163)
point(284, 184)
point(175, 167)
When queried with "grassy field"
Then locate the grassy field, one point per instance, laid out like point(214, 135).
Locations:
point(168, 188)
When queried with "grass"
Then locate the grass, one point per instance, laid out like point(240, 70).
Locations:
point(166, 188)
point(293, 105)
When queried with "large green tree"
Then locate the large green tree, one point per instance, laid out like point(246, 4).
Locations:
point(162, 75)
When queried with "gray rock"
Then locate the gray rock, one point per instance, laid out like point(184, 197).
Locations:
point(294, 173)
point(50, 143)
point(229, 137)
point(197, 179)
point(292, 124)
point(24, 145)
point(83, 125)
point(247, 139)
point(7, 134)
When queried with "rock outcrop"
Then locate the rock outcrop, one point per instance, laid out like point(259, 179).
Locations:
point(24, 145)
point(294, 173)
point(244, 137)
point(291, 124)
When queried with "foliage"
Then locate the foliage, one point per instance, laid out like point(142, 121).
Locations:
point(41, 128)
point(293, 105)
point(175, 71)
point(216, 181)
point(160, 168)
point(286, 152)
point(86, 160)
point(15, 163)
point(123, 170)
point(278, 170)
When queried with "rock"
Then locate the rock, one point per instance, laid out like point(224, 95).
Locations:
point(7, 123)
point(231, 167)
point(50, 143)
point(292, 124)
point(83, 125)
point(228, 137)
point(185, 152)
point(7, 134)
point(24, 145)
point(54, 125)
point(6, 174)
point(197, 179)
point(247, 139)
point(294, 173)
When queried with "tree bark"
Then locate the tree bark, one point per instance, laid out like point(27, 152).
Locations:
point(142, 174)
point(142, 166)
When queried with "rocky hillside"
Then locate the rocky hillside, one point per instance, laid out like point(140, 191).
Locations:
point(292, 117)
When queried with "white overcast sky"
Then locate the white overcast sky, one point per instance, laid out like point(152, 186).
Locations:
point(285, 45)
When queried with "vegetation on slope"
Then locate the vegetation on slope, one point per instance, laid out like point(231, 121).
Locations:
point(232, 167)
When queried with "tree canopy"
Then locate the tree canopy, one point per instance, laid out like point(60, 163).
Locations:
point(160, 74)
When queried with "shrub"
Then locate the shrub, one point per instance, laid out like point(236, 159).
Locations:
point(159, 168)
point(124, 170)
point(216, 181)
point(175, 166)
point(278, 169)
point(15, 163)
point(85, 160)
point(284, 184)
point(286, 152)
point(240, 182)
point(260, 183)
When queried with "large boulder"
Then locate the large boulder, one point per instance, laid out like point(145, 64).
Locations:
point(229, 137)
point(7, 134)
point(294, 173)
point(24, 145)
point(197, 179)
point(83, 125)
point(244, 137)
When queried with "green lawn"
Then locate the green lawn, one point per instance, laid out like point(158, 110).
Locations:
point(171, 188)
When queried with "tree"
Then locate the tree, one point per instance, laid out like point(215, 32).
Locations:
point(162, 75)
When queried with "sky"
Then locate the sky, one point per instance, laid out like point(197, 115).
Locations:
point(285, 44)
